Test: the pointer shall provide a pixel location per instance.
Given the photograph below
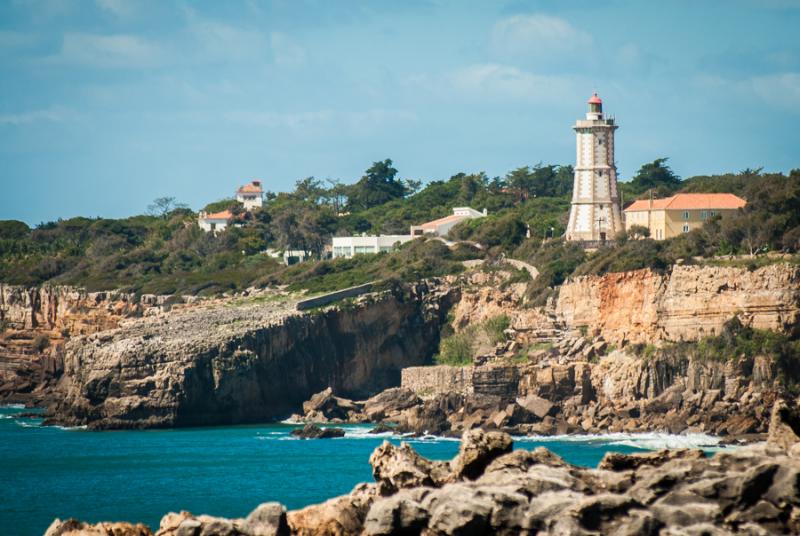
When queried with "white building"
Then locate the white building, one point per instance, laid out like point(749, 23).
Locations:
point(442, 226)
point(289, 256)
point(347, 246)
point(250, 195)
point(595, 213)
point(214, 222)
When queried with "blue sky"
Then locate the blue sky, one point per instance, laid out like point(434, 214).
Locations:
point(107, 104)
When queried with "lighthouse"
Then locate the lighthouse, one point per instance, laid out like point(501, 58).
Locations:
point(595, 213)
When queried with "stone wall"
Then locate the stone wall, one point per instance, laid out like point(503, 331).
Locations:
point(436, 380)
point(488, 380)
point(688, 303)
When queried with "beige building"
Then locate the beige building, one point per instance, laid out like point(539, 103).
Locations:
point(680, 213)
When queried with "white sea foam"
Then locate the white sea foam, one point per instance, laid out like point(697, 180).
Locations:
point(292, 421)
point(70, 428)
point(645, 440)
point(28, 424)
point(12, 406)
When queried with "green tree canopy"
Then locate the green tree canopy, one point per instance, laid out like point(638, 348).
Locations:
point(379, 185)
point(657, 176)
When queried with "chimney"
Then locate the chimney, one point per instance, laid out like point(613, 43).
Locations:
point(257, 183)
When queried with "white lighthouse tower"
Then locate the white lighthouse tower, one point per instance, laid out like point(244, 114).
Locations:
point(595, 213)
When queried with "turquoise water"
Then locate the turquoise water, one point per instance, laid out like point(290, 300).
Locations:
point(49, 472)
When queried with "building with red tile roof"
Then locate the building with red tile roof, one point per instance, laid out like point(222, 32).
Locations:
point(680, 213)
point(250, 195)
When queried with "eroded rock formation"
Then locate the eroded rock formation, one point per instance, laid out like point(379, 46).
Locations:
point(36, 322)
point(687, 303)
point(251, 362)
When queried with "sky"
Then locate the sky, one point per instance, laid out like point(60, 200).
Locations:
point(108, 104)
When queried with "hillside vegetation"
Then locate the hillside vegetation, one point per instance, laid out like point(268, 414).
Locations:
point(165, 251)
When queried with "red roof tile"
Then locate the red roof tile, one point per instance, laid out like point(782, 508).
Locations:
point(690, 202)
point(252, 188)
point(224, 215)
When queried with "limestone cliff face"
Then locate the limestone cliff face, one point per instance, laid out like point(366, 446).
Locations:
point(688, 303)
point(35, 322)
point(67, 308)
point(247, 363)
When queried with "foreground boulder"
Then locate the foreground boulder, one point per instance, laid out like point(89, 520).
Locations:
point(490, 489)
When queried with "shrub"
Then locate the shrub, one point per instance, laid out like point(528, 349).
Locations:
point(456, 350)
point(495, 327)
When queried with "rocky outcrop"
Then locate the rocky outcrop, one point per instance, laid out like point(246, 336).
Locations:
point(488, 489)
point(312, 431)
point(36, 322)
point(686, 303)
point(616, 392)
point(253, 362)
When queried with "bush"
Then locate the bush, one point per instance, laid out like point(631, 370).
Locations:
point(456, 350)
point(495, 328)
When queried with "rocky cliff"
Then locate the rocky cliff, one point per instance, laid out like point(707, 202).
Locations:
point(686, 303)
point(249, 362)
point(36, 322)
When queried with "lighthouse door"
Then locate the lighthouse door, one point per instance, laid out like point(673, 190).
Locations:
point(602, 236)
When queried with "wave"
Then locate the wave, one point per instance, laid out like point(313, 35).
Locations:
point(12, 406)
point(643, 440)
point(28, 424)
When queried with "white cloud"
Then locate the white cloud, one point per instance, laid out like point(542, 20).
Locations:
point(35, 116)
point(537, 37)
point(118, 51)
point(497, 80)
point(118, 8)
point(781, 89)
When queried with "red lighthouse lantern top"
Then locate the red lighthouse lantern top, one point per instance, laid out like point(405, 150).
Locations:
point(594, 99)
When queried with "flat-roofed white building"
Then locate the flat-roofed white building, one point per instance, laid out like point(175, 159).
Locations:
point(347, 246)
point(442, 226)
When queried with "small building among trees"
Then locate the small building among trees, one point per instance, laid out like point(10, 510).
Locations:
point(250, 195)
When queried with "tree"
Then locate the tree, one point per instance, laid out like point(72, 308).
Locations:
point(309, 189)
point(162, 206)
point(337, 194)
point(655, 175)
point(636, 232)
point(520, 183)
point(376, 187)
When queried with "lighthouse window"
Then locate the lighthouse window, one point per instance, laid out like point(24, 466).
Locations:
point(600, 141)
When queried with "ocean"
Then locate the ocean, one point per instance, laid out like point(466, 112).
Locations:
point(48, 472)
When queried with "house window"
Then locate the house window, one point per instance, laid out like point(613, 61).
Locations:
point(685, 227)
point(712, 213)
point(704, 214)
point(686, 215)
point(364, 249)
